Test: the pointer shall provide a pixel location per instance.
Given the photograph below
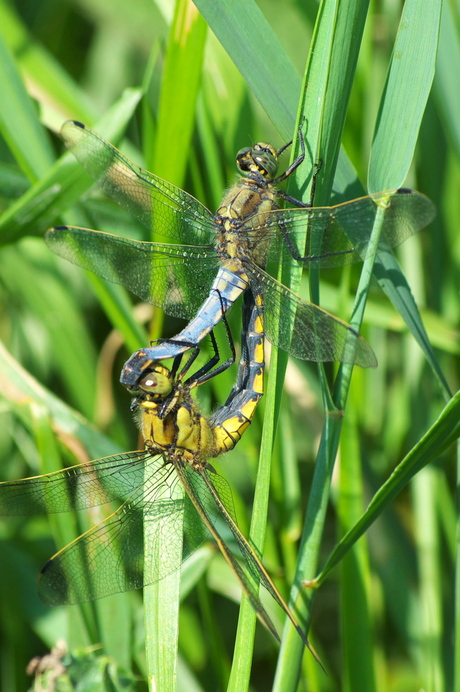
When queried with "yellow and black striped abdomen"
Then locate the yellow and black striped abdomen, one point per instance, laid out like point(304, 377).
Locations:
point(230, 421)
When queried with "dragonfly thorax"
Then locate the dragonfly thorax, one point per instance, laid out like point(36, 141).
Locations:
point(241, 218)
point(184, 433)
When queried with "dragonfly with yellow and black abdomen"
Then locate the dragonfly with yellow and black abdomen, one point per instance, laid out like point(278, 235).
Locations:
point(227, 252)
point(115, 555)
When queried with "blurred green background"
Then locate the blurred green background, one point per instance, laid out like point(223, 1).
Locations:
point(174, 101)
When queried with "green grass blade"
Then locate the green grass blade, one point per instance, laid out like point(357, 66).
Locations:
point(355, 602)
point(63, 530)
point(425, 491)
point(336, 44)
point(447, 67)
point(64, 182)
point(242, 661)
point(254, 48)
point(177, 109)
point(394, 284)
point(176, 117)
point(456, 674)
point(18, 123)
point(43, 71)
point(64, 323)
point(272, 78)
point(18, 386)
point(443, 433)
point(336, 38)
point(161, 606)
point(405, 96)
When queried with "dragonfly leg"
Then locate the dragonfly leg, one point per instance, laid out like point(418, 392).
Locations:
point(296, 163)
point(297, 202)
point(301, 138)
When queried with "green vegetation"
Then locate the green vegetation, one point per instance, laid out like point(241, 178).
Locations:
point(334, 454)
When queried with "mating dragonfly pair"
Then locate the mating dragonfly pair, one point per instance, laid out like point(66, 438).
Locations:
point(228, 258)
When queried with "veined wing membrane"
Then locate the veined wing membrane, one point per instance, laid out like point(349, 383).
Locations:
point(208, 501)
point(148, 197)
point(173, 277)
point(217, 488)
point(247, 231)
point(306, 330)
point(78, 487)
point(205, 487)
point(336, 236)
point(109, 558)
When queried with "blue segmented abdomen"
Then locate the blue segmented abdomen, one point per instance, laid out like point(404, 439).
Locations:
point(230, 282)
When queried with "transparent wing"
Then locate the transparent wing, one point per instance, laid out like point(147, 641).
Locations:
point(304, 329)
point(170, 211)
point(339, 235)
point(110, 557)
point(211, 500)
point(335, 235)
point(203, 482)
point(174, 277)
point(77, 487)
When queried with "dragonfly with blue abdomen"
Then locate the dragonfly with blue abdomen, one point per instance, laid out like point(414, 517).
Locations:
point(116, 555)
point(227, 252)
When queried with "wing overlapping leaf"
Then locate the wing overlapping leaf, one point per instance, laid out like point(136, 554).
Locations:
point(110, 557)
point(173, 277)
point(334, 236)
point(304, 329)
point(337, 236)
point(213, 499)
point(160, 205)
point(76, 487)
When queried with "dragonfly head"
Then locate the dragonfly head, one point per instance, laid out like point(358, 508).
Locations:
point(157, 382)
point(260, 159)
point(159, 393)
point(143, 374)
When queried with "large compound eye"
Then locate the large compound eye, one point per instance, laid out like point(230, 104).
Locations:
point(157, 381)
point(261, 158)
point(266, 160)
point(244, 159)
